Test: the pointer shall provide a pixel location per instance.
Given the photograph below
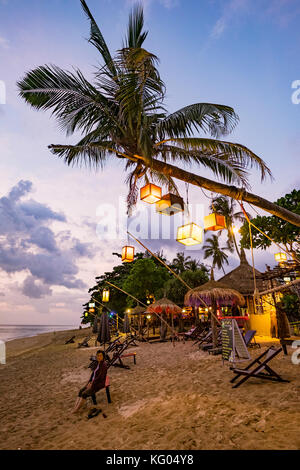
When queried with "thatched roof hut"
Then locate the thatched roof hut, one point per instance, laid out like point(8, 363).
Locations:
point(163, 305)
point(213, 292)
point(137, 310)
point(241, 278)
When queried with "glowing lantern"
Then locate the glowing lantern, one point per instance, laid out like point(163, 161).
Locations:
point(150, 193)
point(91, 310)
point(189, 234)
point(86, 314)
point(91, 305)
point(170, 204)
point(127, 254)
point(280, 257)
point(287, 279)
point(214, 222)
point(235, 229)
point(105, 295)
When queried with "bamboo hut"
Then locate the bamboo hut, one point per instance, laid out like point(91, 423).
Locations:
point(164, 307)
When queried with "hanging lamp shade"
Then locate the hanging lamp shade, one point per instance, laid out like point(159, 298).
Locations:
point(170, 204)
point(91, 305)
point(91, 310)
point(105, 295)
point(150, 193)
point(189, 234)
point(127, 254)
point(280, 257)
point(214, 222)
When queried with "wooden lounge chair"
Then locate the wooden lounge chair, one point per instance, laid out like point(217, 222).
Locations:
point(202, 337)
point(120, 354)
point(191, 334)
point(71, 340)
point(85, 342)
point(249, 338)
point(259, 368)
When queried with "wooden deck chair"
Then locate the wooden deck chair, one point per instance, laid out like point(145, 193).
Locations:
point(259, 368)
point(85, 342)
point(107, 384)
point(207, 345)
point(203, 336)
point(113, 345)
point(248, 337)
point(120, 354)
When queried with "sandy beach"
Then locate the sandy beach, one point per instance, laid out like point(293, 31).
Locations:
point(173, 398)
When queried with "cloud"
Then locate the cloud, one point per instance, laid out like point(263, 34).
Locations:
point(146, 3)
point(4, 43)
point(27, 244)
point(232, 8)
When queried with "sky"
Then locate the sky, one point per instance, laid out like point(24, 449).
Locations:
point(242, 53)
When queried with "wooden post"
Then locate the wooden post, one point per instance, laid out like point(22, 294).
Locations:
point(214, 323)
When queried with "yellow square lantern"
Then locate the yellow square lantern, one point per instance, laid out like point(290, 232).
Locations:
point(190, 234)
point(280, 257)
point(170, 204)
point(150, 193)
point(105, 295)
point(214, 222)
point(127, 254)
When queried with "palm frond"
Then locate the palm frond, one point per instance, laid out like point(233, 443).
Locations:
point(92, 154)
point(98, 41)
point(235, 153)
point(135, 34)
point(214, 119)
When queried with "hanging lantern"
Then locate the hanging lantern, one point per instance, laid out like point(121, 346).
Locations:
point(214, 222)
point(91, 310)
point(86, 314)
point(127, 254)
point(235, 229)
point(280, 257)
point(150, 193)
point(91, 305)
point(170, 204)
point(105, 295)
point(189, 234)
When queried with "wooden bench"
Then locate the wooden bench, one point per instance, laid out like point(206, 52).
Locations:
point(288, 341)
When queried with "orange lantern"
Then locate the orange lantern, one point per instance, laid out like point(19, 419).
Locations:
point(189, 234)
point(280, 257)
point(214, 222)
point(127, 254)
point(150, 193)
point(91, 310)
point(170, 204)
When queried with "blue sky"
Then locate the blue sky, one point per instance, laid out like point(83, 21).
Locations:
point(243, 53)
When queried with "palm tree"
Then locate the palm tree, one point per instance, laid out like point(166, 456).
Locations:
point(213, 250)
point(226, 206)
point(122, 114)
point(194, 265)
point(180, 263)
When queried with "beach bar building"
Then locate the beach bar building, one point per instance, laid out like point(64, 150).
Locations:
point(262, 317)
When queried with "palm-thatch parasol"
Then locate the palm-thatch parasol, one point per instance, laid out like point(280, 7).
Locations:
point(214, 294)
point(104, 331)
point(164, 306)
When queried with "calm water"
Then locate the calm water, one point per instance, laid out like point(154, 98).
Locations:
point(9, 332)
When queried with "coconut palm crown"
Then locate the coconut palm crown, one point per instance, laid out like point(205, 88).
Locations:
point(122, 114)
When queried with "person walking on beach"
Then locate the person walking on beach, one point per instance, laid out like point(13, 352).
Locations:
point(95, 383)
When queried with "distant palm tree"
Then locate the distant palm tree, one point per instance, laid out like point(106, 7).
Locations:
point(180, 263)
point(122, 115)
point(226, 206)
point(212, 250)
point(193, 265)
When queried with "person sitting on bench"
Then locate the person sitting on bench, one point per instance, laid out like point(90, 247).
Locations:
point(95, 383)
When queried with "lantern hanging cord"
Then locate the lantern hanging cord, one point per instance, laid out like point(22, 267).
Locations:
point(171, 271)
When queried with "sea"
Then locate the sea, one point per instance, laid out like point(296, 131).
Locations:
point(10, 332)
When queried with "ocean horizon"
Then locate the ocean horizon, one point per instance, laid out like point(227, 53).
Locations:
point(10, 332)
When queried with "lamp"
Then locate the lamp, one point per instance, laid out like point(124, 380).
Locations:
point(170, 204)
point(214, 222)
point(127, 254)
point(280, 257)
point(150, 193)
point(189, 234)
point(105, 295)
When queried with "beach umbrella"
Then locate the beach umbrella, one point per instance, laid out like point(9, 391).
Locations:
point(214, 294)
point(104, 331)
point(163, 307)
point(126, 325)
